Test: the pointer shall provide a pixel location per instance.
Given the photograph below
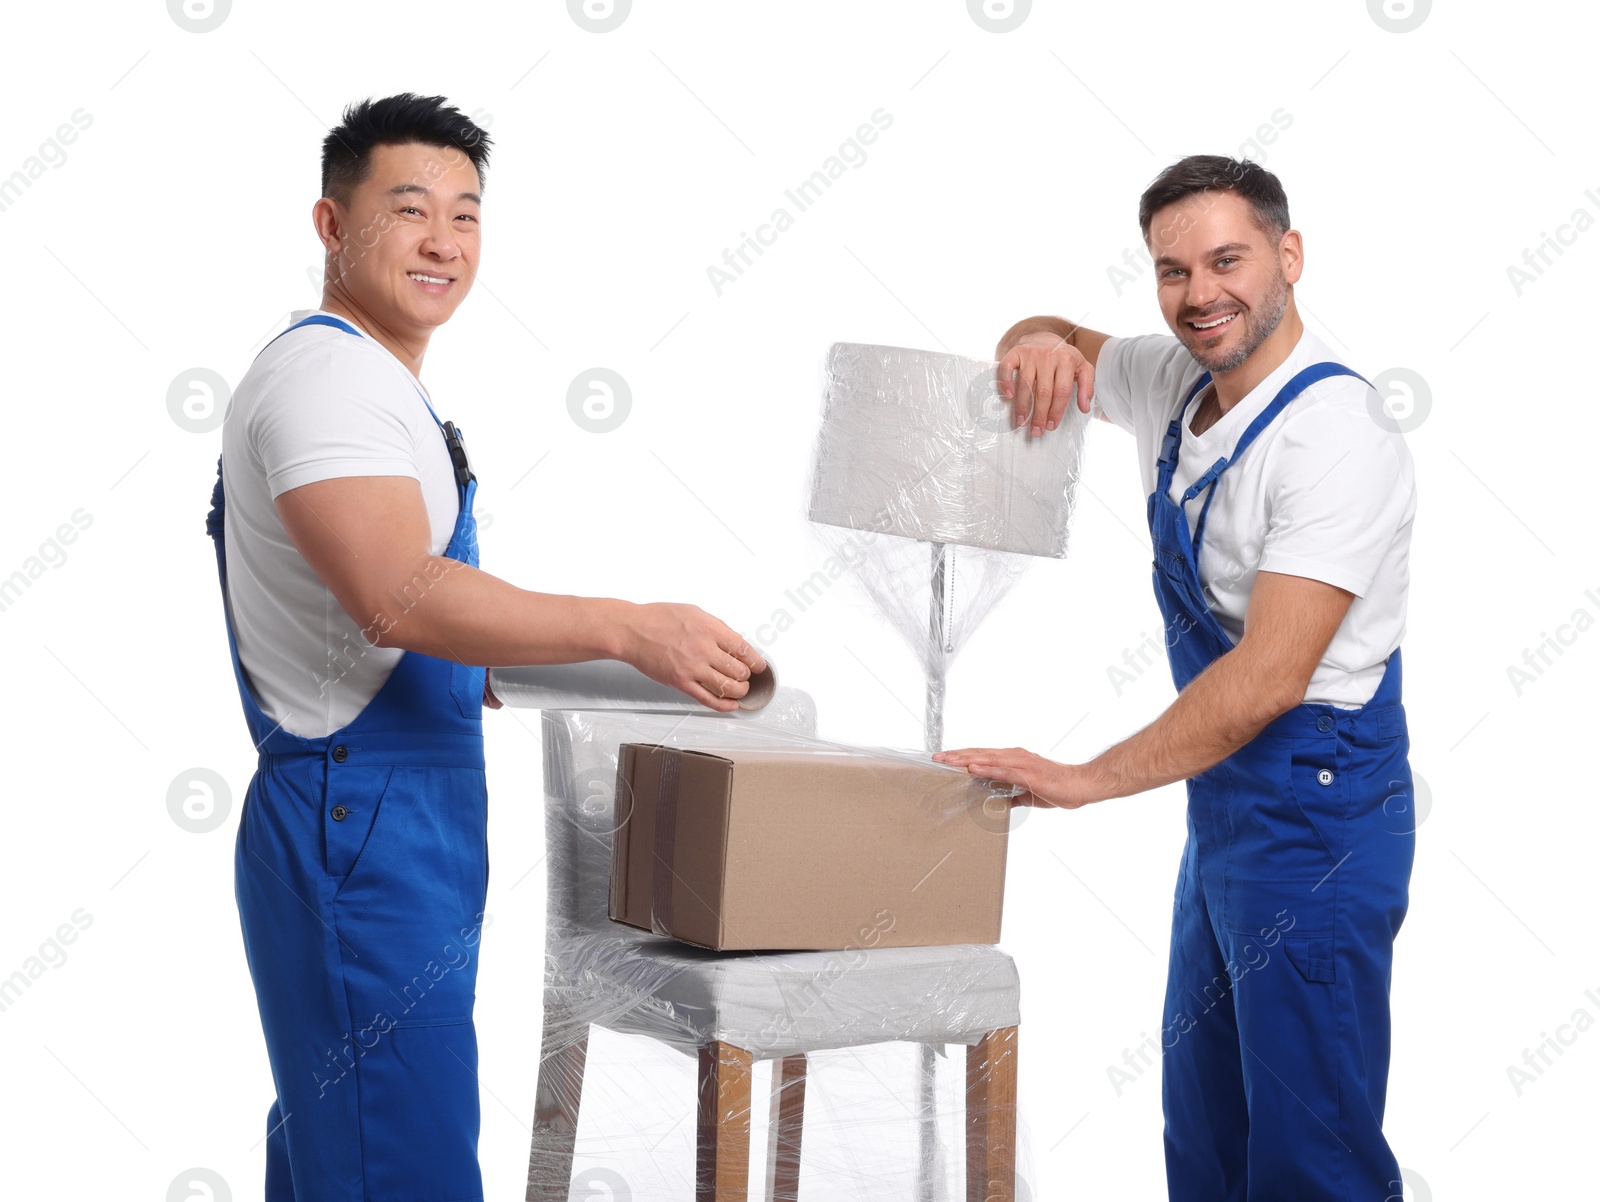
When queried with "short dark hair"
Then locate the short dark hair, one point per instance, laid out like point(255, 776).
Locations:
point(395, 121)
point(1218, 173)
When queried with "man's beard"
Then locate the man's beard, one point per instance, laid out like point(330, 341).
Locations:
point(1258, 326)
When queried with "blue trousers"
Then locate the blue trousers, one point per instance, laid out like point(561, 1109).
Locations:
point(362, 936)
point(1276, 1028)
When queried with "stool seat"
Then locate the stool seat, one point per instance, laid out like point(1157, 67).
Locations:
point(776, 1004)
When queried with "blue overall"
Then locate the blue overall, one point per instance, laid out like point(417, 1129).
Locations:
point(360, 871)
point(1293, 884)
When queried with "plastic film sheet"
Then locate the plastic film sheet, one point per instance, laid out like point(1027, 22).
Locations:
point(932, 500)
point(920, 445)
point(608, 684)
point(864, 1073)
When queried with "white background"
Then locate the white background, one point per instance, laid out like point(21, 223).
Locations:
point(176, 235)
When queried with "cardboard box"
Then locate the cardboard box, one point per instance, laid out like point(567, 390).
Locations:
point(804, 849)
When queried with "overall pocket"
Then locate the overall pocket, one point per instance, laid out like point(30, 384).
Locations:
point(466, 686)
point(349, 814)
point(1312, 955)
point(1318, 782)
point(1287, 837)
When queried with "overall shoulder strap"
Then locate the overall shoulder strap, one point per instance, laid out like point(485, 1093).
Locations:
point(1167, 460)
point(325, 319)
point(319, 319)
point(452, 435)
point(1302, 380)
point(1297, 384)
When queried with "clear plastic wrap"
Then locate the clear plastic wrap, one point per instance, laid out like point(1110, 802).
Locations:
point(609, 684)
point(922, 485)
point(920, 444)
point(826, 1063)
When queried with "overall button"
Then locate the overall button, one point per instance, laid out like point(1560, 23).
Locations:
point(1325, 777)
point(1325, 723)
point(340, 754)
point(339, 813)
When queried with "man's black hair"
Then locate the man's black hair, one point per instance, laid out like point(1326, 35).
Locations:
point(1218, 173)
point(395, 121)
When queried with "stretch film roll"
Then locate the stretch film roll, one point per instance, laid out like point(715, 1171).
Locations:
point(608, 684)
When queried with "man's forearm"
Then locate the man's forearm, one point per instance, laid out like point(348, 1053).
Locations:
point(454, 611)
point(1223, 708)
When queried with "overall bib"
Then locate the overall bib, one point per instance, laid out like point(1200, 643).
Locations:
point(360, 870)
point(1293, 884)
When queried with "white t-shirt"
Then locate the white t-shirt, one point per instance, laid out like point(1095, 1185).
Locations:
point(316, 404)
point(1324, 491)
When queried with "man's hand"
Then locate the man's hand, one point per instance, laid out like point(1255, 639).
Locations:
point(1038, 373)
point(1063, 786)
point(489, 699)
point(687, 649)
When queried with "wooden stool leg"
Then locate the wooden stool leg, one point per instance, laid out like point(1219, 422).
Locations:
point(992, 1117)
point(722, 1159)
point(555, 1109)
point(783, 1136)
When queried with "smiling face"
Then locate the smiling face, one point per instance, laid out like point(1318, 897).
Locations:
point(1223, 282)
point(405, 251)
